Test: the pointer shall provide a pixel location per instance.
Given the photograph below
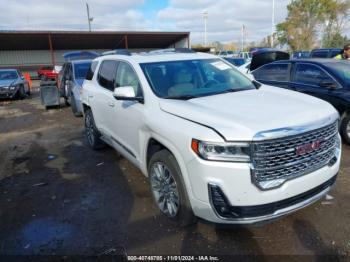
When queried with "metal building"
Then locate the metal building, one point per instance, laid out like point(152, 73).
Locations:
point(28, 50)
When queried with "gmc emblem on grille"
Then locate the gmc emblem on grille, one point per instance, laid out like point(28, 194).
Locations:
point(307, 148)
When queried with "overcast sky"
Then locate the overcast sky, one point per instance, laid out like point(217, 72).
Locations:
point(225, 17)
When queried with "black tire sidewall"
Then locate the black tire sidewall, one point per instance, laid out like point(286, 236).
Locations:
point(185, 214)
point(21, 93)
point(97, 143)
point(344, 122)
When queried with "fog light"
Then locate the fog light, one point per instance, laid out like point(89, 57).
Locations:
point(220, 202)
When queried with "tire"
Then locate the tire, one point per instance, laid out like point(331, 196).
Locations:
point(91, 132)
point(21, 94)
point(74, 106)
point(178, 208)
point(345, 128)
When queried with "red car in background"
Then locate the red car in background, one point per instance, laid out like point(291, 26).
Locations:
point(48, 72)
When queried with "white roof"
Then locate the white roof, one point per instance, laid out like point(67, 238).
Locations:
point(158, 57)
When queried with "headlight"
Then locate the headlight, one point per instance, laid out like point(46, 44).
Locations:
point(12, 87)
point(229, 152)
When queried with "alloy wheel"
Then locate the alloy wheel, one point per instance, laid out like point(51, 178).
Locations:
point(164, 189)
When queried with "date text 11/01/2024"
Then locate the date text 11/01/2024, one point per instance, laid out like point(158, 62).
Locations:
point(173, 258)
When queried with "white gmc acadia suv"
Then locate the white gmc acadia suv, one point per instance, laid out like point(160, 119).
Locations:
point(213, 143)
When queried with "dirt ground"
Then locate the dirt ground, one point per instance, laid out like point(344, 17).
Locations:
point(57, 196)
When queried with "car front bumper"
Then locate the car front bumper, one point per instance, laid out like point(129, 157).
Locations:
point(234, 180)
point(6, 93)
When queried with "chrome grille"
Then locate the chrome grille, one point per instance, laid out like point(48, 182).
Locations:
point(277, 159)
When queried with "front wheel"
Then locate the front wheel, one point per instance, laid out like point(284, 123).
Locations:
point(168, 189)
point(21, 94)
point(345, 129)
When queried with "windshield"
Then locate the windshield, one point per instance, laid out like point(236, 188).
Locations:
point(81, 69)
point(8, 75)
point(341, 69)
point(194, 78)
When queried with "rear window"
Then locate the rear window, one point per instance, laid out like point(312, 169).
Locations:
point(81, 69)
point(272, 72)
point(106, 75)
point(320, 54)
point(91, 71)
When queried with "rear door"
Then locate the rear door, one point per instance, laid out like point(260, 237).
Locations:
point(274, 74)
point(309, 79)
point(101, 97)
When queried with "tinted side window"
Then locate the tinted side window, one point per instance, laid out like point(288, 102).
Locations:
point(91, 71)
point(126, 76)
point(276, 72)
point(320, 54)
point(107, 73)
point(335, 53)
point(310, 74)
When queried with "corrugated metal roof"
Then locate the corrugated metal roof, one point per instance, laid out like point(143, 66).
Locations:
point(80, 40)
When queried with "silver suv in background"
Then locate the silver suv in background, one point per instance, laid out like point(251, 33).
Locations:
point(13, 84)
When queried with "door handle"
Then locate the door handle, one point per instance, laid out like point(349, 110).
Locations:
point(111, 104)
point(90, 96)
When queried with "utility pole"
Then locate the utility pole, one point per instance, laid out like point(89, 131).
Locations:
point(273, 23)
point(88, 16)
point(205, 16)
point(243, 35)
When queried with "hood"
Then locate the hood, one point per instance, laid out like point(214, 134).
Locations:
point(265, 56)
point(7, 82)
point(240, 116)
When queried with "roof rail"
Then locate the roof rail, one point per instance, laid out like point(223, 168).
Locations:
point(117, 52)
point(172, 50)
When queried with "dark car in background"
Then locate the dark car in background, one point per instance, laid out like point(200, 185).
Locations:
point(327, 79)
point(13, 84)
point(236, 61)
point(325, 52)
point(300, 54)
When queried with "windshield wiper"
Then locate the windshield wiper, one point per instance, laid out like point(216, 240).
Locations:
point(181, 97)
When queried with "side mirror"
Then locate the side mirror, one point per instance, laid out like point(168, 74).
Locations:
point(126, 93)
point(329, 85)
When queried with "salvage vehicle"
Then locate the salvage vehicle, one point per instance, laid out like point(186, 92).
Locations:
point(213, 143)
point(72, 77)
point(48, 72)
point(13, 84)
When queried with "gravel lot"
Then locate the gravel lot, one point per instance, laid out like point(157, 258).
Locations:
point(59, 197)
